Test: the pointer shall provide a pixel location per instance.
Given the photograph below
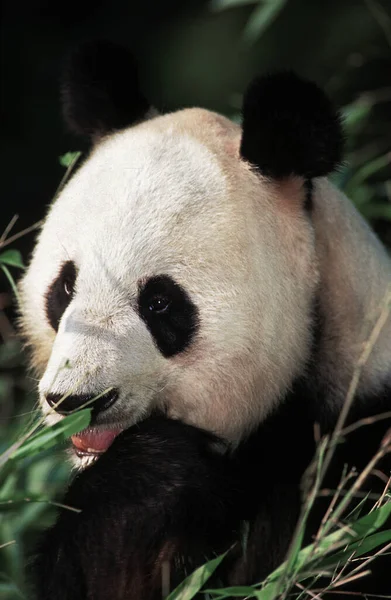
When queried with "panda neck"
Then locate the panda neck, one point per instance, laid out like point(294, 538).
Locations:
point(355, 277)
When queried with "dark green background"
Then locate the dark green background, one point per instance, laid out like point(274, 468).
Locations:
point(189, 54)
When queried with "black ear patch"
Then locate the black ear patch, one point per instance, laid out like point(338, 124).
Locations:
point(290, 128)
point(100, 91)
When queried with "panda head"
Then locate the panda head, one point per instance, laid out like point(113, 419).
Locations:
point(177, 269)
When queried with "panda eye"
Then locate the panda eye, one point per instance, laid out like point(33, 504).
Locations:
point(159, 304)
point(169, 314)
point(68, 286)
point(60, 293)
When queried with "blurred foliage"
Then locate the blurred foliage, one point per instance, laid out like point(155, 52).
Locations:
point(198, 52)
point(190, 53)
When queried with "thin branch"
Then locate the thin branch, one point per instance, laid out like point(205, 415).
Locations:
point(5, 242)
point(350, 579)
point(368, 347)
point(7, 544)
point(8, 228)
point(371, 558)
point(43, 501)
point(15, 237)
point(384, 449)
point(366, 421)
point(325, 492)
point(381, 499)
point(344, 479)
point(66, 175)
point(359, 594)
point(304, 589)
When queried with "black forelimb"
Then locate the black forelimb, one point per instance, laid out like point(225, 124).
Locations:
point(161, 495)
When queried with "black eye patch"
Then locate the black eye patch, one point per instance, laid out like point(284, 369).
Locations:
point(60, 293)
point(169, 313)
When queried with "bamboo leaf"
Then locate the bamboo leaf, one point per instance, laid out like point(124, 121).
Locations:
point(233, 592)
point(366, 171)
point(262, 17)
point(355, 115)
point(218, 5)
point(51, 436)
point(192, 584)
point(351, 535)
point(377, 210)
point(363, 546)
point(10, 280)
point(13, 258)
point(69, 158)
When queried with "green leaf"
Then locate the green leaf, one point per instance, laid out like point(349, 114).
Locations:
point(363, 546)
point(30, 514)
point(355, 114)
point(233, 592)
point(10, 280)
point(218, 5)
point(369, 523)
point(10, 591)
point(362, 196)
point(262, 17)
point(351, 535)
point(69, 158)
point(377, 210)
point(13, 258)
point(366, 171)
point(269, 592)
point(51, 436)
point(192, 584)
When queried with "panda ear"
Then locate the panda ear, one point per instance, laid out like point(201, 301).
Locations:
point(290, 128)
point(100, 92)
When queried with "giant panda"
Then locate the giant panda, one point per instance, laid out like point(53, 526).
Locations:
point(209, 291)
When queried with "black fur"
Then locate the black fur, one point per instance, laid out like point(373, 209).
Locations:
point(309, 190)
point(60, 293)
point(290, 128)
point(160, 493)
point(69, 404)
point(173, 322)
point(100, 90)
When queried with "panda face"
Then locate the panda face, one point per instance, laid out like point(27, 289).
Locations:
point(177, 269)
point(172, 273)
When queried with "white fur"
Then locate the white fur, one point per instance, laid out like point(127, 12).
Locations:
point(171, 196)
point(355, 280)
point(156, 200)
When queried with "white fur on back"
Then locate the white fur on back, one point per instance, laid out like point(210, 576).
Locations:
point(355, 279)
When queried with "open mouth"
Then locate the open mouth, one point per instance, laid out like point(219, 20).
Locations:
point(93, 442)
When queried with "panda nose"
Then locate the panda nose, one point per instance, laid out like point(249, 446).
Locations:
point(69, 404)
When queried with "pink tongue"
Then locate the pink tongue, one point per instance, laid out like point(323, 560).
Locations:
point(94, 441)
